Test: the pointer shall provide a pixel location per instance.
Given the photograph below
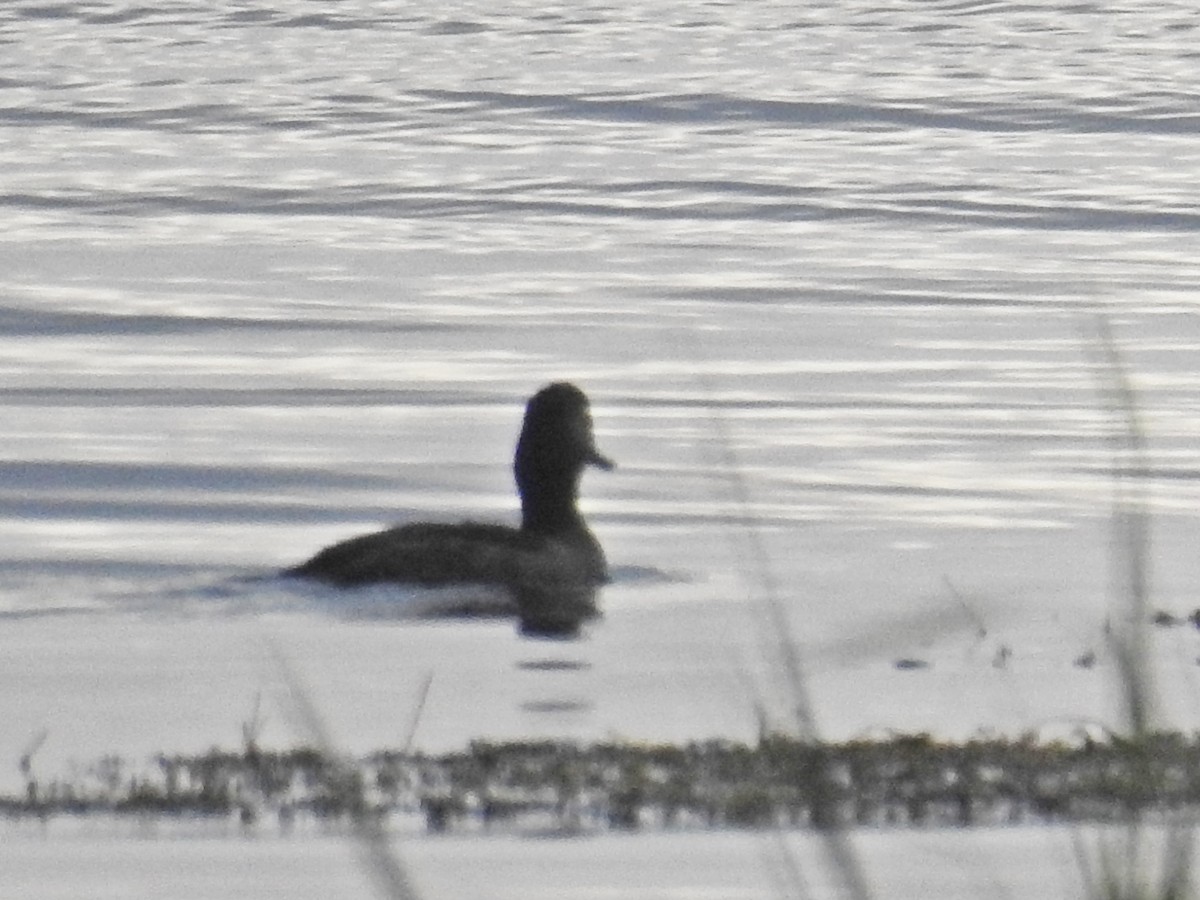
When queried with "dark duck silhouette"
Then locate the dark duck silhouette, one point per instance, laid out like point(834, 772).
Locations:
point(552, 566)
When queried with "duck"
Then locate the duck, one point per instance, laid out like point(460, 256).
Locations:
point(552, 566)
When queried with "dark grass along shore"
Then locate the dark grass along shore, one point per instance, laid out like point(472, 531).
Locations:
point(905, 780)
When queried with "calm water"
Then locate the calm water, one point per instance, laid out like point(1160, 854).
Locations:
point(275, 273)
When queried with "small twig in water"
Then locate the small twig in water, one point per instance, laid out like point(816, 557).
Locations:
point(418, 709)
point(973, 614)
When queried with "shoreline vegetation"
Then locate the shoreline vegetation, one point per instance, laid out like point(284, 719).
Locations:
point(562, 787)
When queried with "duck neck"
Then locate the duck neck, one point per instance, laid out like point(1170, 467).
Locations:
point(550, 510)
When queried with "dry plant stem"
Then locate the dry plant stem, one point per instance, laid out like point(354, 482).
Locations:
point(757, 570)
point(390, 874)
point(1119, 873)
point(1130, 551)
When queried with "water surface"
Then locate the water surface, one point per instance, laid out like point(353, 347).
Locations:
point(277, 273)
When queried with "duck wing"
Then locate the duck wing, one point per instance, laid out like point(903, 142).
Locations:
point(423, 553)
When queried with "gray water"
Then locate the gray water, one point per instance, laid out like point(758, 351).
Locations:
point(276, 273)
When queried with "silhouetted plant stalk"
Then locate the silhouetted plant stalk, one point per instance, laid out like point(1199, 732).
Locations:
point(1118, 869)
point(1130, 577)
point(346, 788)
point(759, 575)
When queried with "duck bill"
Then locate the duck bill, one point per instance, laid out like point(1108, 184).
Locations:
point(600, 461)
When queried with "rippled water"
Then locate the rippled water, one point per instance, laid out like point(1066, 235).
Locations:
point(275, 273)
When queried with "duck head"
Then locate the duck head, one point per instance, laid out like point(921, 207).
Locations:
point(555, 446)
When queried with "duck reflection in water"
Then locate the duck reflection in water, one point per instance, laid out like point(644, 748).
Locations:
point(552, 566)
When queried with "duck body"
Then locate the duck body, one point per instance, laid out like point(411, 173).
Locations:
point(552, 565)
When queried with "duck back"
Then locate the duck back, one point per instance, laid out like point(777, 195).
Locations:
point(433, 553)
